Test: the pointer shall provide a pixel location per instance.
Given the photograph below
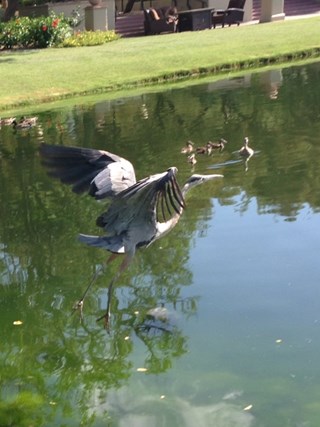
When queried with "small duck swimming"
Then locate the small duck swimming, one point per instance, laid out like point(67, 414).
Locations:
point(204, 150)
point(7, 122)
point(192, 159)
point(188, 147)
point(218, 145)
point(246, 151)
point(24, 122)
point(31, 120)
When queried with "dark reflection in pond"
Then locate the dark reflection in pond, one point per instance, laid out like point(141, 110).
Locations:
point(240, 286)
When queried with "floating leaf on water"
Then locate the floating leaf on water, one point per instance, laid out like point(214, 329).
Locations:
point(247, 408)
point(52, 403)
point(17, 322)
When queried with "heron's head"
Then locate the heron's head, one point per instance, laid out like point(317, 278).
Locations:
point(197, 179)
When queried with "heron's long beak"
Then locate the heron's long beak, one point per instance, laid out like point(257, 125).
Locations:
point(213, 176)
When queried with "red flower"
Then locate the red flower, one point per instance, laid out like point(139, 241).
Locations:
point(55, 23)
point(44, 28)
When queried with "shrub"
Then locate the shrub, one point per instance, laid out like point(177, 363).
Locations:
point(89, 38)
point(28, 33)
point(39, 32)
point(49, 31)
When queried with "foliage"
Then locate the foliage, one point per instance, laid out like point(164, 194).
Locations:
point(89, 38)
point(32, 2)
point(39, 32)
point(23, 411)
point(50, 31)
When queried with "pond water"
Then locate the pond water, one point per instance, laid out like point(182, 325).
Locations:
point(238, 277)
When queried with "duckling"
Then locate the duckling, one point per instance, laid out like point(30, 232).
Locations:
point(8, 121)
point(204, 150)
point(218, 145)
point(192, 159)
point(24, 122)
point(188, 147)
point(31, 120)
point(21, 124)
point(246, 151)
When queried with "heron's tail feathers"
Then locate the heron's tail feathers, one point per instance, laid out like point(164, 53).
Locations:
point(111, 243)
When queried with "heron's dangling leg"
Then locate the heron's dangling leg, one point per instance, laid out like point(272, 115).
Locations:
point(79, 305)
point(125, 263)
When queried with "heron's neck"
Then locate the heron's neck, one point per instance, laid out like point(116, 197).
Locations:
point(185, 189)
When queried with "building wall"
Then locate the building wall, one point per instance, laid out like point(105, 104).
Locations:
point(65, 8)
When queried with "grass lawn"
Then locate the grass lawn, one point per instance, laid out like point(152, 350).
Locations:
point(38, 76)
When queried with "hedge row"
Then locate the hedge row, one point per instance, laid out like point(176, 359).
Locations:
point(42, 32)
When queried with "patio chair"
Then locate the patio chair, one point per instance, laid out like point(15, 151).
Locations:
point(232, 15)
point(158, 21)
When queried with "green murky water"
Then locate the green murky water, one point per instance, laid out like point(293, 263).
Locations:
point(238, 276)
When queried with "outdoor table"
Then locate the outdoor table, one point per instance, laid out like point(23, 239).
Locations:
point(195, 19)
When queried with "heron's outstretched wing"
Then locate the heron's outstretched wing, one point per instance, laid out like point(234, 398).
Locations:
point(100, 173)
point(115, 244)
point(141, 206)
point(132, 219)
point(137, 208)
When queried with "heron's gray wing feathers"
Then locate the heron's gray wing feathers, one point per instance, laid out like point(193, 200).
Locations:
point(131, 220)
point(137, 208)
point(113, 244)
point(100, 173)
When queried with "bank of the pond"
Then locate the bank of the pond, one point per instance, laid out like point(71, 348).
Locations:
point(40, 76)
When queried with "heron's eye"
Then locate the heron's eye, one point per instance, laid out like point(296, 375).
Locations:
point(194, 179)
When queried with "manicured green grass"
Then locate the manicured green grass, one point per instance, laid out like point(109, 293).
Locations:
point(32, 77)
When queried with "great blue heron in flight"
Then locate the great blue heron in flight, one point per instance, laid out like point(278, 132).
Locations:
point(140, 212)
